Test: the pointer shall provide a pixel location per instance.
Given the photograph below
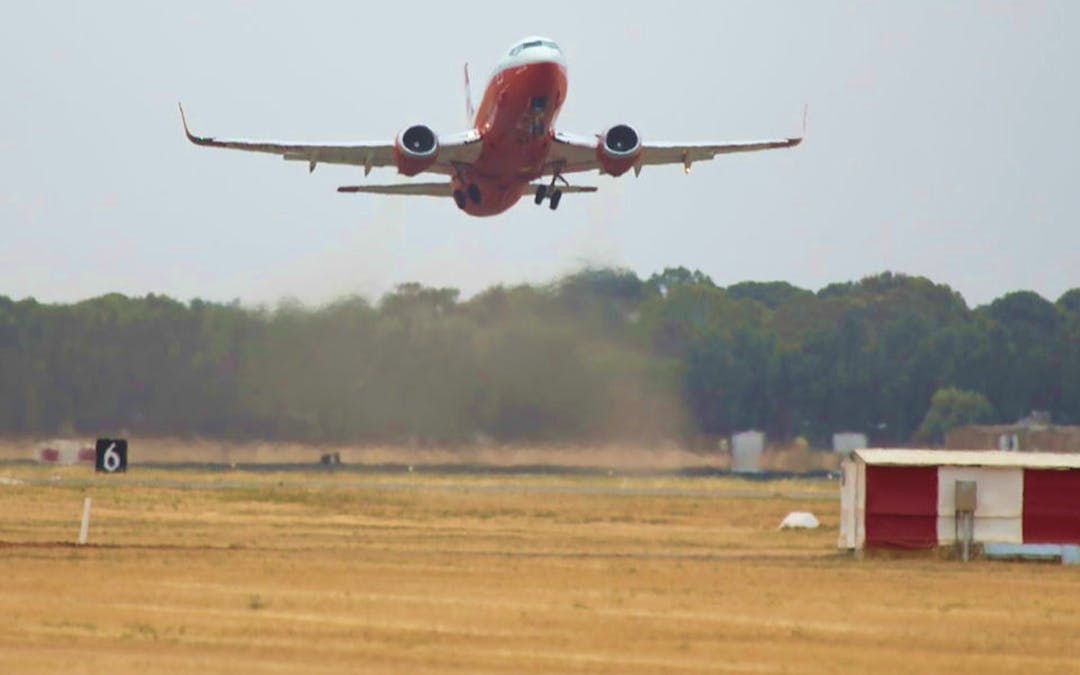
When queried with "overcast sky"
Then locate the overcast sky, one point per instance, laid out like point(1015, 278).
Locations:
point(944, 140)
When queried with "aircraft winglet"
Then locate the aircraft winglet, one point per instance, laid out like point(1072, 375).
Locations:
point(197, 140)
point(183, 120)
point(792, 142)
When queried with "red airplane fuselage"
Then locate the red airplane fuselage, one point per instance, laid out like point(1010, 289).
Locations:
point(515, 119)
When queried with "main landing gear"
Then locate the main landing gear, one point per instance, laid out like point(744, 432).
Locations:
point(553, 194)
point(461, 197)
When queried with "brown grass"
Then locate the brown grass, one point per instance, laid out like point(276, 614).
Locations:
point(490, 575)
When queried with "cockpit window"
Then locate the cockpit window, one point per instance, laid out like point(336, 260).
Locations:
point(533, 43)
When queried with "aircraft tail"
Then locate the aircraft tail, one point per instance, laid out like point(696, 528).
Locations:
point(470, 112)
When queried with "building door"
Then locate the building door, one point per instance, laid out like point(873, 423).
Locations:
point(1051, 506)
point(901, 506)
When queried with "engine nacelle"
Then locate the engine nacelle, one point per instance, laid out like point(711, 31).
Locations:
point(415, 149)
point(619, 149)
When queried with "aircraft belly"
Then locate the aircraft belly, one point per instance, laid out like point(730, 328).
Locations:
point(515, 117)
point(496, 194)
point(522, 105)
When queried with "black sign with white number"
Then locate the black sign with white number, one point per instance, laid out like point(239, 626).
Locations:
point(110, 455)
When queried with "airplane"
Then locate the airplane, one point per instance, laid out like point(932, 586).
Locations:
point(510, 143)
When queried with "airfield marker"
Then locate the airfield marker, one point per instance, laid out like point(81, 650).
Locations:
point(84, 529)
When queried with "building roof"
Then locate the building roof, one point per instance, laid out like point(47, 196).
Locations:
point(1014, 428)
point(908, 457)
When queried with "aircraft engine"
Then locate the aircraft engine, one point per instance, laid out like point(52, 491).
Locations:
point(415, 149)
point(619, 149)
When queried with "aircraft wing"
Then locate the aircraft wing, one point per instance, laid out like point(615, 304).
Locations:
point(436, 189)
point(686, 153)
point(458, 149)
point(570, 153)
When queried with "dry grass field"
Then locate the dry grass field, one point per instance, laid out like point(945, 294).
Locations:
point(241, 573)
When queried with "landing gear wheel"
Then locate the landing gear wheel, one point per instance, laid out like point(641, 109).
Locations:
point(459, 199)
point(556, 197)
point(474, 193)
point(541, 192)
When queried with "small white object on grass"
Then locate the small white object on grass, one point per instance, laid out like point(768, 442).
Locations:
point(799, 520)
point(84, 530)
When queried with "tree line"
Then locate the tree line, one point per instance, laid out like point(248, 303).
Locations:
point(598, 354)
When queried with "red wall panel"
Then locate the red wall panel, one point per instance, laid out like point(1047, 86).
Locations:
point(901, 506)
point(1051, 506)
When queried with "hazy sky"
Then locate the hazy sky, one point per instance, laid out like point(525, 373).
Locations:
point(944, 141)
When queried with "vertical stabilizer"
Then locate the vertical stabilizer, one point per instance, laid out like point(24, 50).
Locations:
point(470, 112)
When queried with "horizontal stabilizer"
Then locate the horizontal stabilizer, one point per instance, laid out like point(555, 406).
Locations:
point(571, 188)
point(435, 189)
point(416, 189)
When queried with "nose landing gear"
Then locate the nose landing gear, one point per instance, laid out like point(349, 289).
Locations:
point(537, 106)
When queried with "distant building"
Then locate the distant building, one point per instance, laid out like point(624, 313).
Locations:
point(1019, 437)
point(1037, 419)
point(64, 451)
point(846, 442)
point(746, 450)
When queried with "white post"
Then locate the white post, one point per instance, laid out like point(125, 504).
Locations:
point(84, 530)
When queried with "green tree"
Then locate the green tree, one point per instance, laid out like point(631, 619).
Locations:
point(772, 294)
point(1069, 302)
point(595, 354)
point(950, 408)
point(1026, 341)
point(663, 282)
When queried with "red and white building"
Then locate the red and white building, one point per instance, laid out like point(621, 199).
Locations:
point(65, 452)
point(906, 498)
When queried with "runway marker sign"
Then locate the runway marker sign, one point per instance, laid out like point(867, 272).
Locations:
point(111, 455)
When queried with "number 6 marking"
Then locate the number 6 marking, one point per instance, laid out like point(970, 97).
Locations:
point(111, 461)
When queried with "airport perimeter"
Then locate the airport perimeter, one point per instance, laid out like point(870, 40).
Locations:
point(238, 572)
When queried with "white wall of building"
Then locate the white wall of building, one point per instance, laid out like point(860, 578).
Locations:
point(998, 508)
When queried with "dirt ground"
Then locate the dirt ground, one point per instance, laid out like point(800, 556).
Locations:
point(233, 573)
